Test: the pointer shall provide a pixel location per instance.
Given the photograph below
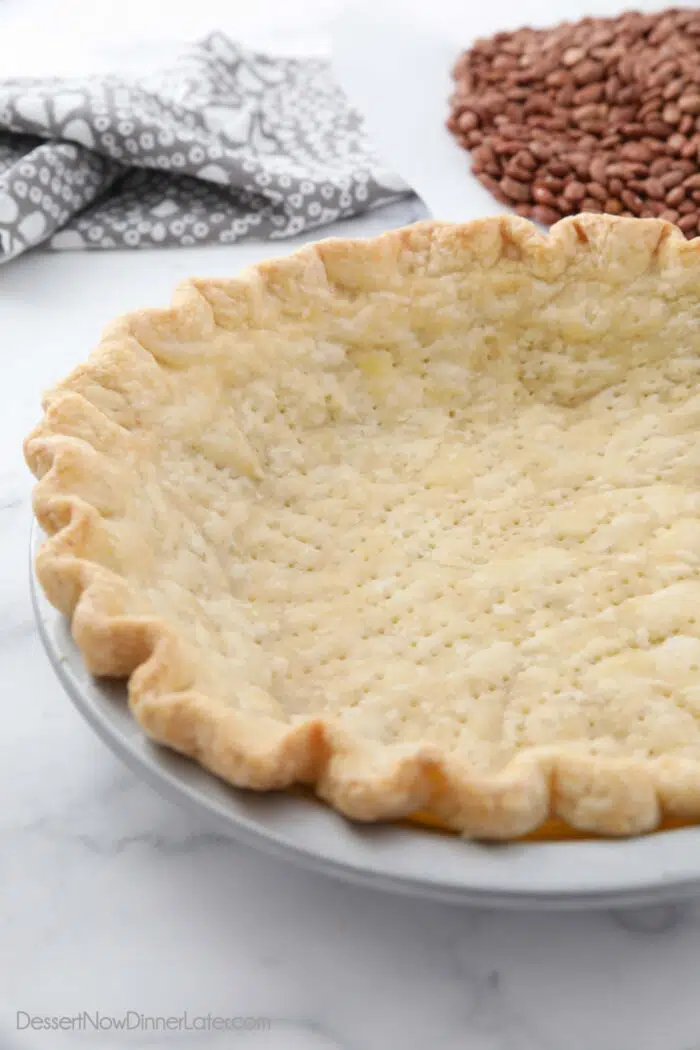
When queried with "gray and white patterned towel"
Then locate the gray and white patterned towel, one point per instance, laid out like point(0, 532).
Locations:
point(223, 145)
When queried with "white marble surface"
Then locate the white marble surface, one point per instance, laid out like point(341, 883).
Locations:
point(112, 900)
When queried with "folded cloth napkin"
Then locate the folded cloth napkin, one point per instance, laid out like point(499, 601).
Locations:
point(224, 144)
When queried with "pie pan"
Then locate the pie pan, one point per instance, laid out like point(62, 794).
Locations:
point(410, 523)
point(597, 873)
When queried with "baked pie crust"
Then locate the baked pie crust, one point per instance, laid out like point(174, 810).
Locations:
point(414, 521)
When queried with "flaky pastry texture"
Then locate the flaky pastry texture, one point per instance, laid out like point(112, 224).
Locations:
point(414, 521)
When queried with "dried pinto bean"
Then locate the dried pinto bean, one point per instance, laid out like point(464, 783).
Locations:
point(545, 215)
point(517, 191)
point(598, 192)
point(599, 115)
point(688, 223)
point(675, 196)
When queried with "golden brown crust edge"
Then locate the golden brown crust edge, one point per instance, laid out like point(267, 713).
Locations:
point(363, 780)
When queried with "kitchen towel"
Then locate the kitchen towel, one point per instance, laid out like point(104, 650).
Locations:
point(222, 145)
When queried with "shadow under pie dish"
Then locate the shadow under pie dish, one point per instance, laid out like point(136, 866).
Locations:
point(412, 521)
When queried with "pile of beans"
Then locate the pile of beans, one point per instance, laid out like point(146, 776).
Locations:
point(601, 115)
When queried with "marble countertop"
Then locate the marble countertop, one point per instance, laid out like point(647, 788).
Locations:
point(114, 901)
